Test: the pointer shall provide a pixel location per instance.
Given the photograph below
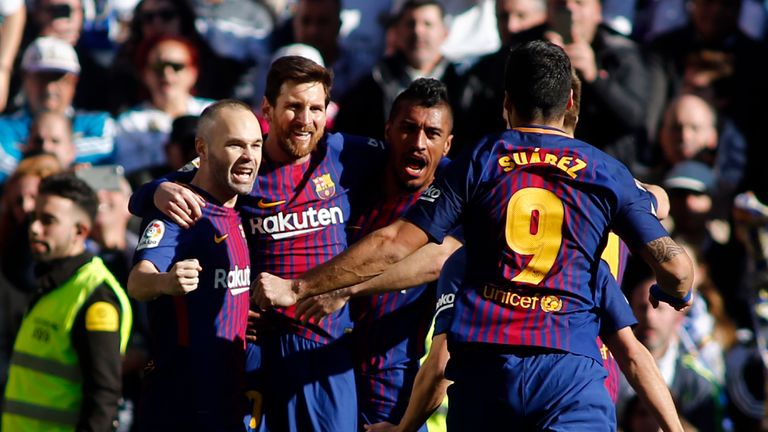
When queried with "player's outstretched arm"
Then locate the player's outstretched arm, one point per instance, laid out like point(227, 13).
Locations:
point(365, 259)
point(673, 269)
point(641, 371)
point(145, 282)
point(429, 389)
point(176, 201)
point(420, 267)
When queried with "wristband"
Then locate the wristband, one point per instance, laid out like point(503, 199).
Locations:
point(660, 295)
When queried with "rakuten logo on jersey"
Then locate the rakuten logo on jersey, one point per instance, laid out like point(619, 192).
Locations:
point(444, 302)
point(430, 194)
point(237, 281)
point(285, 225)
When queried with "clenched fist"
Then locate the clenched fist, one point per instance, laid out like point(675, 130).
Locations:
point(183, 277)
point(271, 291)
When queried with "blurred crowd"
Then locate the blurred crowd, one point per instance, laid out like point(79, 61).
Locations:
point(675, 89)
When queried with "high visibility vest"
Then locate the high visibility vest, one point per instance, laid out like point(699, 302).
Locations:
point(44, 391)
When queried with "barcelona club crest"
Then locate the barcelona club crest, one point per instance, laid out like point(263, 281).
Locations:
point(324, 186)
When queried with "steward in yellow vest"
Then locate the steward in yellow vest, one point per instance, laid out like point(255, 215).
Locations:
point(65, 372)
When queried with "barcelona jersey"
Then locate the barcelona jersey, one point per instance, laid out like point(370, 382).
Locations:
point(296, 216)
point(200, 334)
point(536, 207)
point(390, 328)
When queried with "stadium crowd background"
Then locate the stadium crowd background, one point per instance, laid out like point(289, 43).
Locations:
point(674, 89)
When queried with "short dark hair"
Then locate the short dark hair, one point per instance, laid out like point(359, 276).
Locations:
point(207, 117)
point(69, 186)
point(300, 70)
point(424, 92)
point(537, 80)
point(415, 4)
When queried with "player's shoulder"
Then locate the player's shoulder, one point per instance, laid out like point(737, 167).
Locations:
point(157, 229)
point(343, 141)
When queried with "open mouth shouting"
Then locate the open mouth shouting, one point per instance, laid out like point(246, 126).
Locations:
point(415, 164)
point(243, 173)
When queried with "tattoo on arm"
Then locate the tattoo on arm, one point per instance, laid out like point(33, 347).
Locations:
point(664, 249)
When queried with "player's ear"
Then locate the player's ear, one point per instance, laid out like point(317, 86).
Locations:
point(507, 111)
point(569, 105)
point(266, 110)
point(201, 148)
point(448, 143)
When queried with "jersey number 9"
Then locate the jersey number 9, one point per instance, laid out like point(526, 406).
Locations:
point(534, 228)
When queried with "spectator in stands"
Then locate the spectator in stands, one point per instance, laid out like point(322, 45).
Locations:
point(51, 71)
point(690, 383)
point(169, 70)
point(614, 79)
point(155, 18)
point(481, 100)
point(317, 23)
point(51, 132)
point(64, 19)
point(420, 31)
point(692, 130)
point(712, 56)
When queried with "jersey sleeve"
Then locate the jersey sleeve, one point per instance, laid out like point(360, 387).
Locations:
point(438, 210)
point(635, 219)
point(142, 200)
point(159, 243)
point(448, 284)
point(615, 312)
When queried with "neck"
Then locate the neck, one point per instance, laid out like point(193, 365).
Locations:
point(204, 181)
point(516, 121)
point(174, 106)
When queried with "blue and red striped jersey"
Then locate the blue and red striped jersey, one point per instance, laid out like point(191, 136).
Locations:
point(206, 327)
point(536, 207)
point(390, 328)
point(296, 216)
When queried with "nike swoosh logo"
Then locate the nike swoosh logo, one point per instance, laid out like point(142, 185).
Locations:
point(218, 239)
point(266, 205)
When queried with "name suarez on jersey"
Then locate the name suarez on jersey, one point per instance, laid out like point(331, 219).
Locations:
point(568, 164)
point(284, 225)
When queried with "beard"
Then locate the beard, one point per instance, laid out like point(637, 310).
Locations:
point(298, 150)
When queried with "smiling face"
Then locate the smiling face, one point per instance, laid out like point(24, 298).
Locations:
point(296, 122)
point(418, 137)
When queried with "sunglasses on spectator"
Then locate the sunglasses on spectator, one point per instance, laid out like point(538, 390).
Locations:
point(164, 15)
point(60, 11)
point(159, 67)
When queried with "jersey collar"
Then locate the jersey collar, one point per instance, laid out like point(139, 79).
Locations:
point(547, 130)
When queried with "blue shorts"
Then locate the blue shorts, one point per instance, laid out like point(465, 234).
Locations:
point(308, 385)
point(528, 388)
point(383, 396)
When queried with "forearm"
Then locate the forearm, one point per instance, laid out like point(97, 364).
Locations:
point(11, 31)
point(420, 267)
point(670, 264)
point(429, 388)
point(366, 259)
point(145, 282)
point(641, 372)
point(142, 199)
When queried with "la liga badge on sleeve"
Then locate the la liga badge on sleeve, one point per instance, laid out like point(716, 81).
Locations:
point(153, 233)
